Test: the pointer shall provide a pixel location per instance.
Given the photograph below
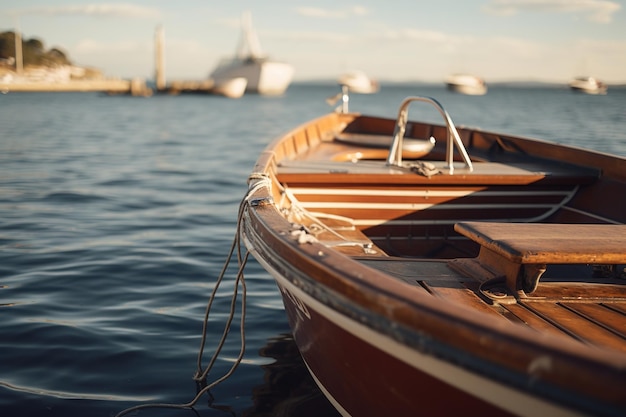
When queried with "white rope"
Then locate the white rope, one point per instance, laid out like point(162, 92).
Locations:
point(303, 236)
point(242, 258)
point(296, 210)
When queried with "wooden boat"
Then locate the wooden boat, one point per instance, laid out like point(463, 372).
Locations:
point(480, 274)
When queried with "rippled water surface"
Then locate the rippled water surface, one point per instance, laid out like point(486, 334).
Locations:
point(116, 217)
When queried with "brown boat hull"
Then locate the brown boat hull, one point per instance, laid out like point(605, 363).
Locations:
point(348, 367)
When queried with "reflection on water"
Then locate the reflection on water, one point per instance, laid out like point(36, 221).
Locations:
point(288, 389)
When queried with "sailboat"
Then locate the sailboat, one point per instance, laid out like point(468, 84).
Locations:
point(263, 75)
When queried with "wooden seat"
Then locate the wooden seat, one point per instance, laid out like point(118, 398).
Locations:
point(532, 243)
point(521, 251)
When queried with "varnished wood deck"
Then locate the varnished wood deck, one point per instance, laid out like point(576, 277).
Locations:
point(592, 313)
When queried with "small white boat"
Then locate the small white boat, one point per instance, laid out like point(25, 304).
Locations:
point(588, 85)
point(358, 82)
point(263, 75)
point(466, 84)
point(231, 88)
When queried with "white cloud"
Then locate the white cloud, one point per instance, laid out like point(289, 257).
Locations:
point(229, 22)
point(90, 46)
point(416, 35)
point(332, 13)
point(118, 59)
point(381, 34)
point(600, 11)
point(326, 37)
point(614, 47)
point(360, 11)
point(102, 10)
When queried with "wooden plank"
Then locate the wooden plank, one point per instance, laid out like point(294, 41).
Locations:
point(532, 320)
point(577, 326)
point(619, 307)
point(407, 269)
point(604, 316)
point(452, 290)
point(593, 291)
point(536, 243)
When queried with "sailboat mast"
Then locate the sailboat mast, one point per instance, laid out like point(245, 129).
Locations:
point(249, 45)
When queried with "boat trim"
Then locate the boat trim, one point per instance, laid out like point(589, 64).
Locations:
point(326, 393)
point(414, 206)
point(419, 193)
point(593, 216)
point(550, 208)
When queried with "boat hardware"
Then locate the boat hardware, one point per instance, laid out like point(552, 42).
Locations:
point(395, 150)
point(345, 98)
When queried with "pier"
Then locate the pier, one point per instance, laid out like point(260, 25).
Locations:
point(135, 87)
point(113, 86)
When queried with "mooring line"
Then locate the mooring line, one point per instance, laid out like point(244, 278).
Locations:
point(242, 259)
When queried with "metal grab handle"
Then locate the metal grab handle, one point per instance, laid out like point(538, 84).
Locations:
point(395, 151)
point(345, 98)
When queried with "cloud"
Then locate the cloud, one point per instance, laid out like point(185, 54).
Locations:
point(326, 37)
point(90, 46)
point(100, 10)
point(332, 13)
point(409, 34)
point(599, 11)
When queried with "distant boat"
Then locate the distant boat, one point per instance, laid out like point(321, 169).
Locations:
point(358, 82)
point(466, 84)
point(231, 88)
point(588, 85)
point(263, 75)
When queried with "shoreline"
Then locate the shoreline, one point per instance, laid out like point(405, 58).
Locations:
point(117, 86)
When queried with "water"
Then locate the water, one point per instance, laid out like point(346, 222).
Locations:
point(117, 214)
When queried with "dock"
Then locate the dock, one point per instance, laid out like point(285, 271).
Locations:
point(136, 87)
point(114, 86)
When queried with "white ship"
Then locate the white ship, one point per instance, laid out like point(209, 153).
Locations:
point(263, 75)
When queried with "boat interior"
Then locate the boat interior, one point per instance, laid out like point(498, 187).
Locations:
point(522, 230)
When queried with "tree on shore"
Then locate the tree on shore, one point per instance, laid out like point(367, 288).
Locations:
point(33, 52)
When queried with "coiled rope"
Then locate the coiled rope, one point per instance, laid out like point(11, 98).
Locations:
point(242, 258)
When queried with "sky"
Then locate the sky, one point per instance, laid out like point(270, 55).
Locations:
point(391, 40)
